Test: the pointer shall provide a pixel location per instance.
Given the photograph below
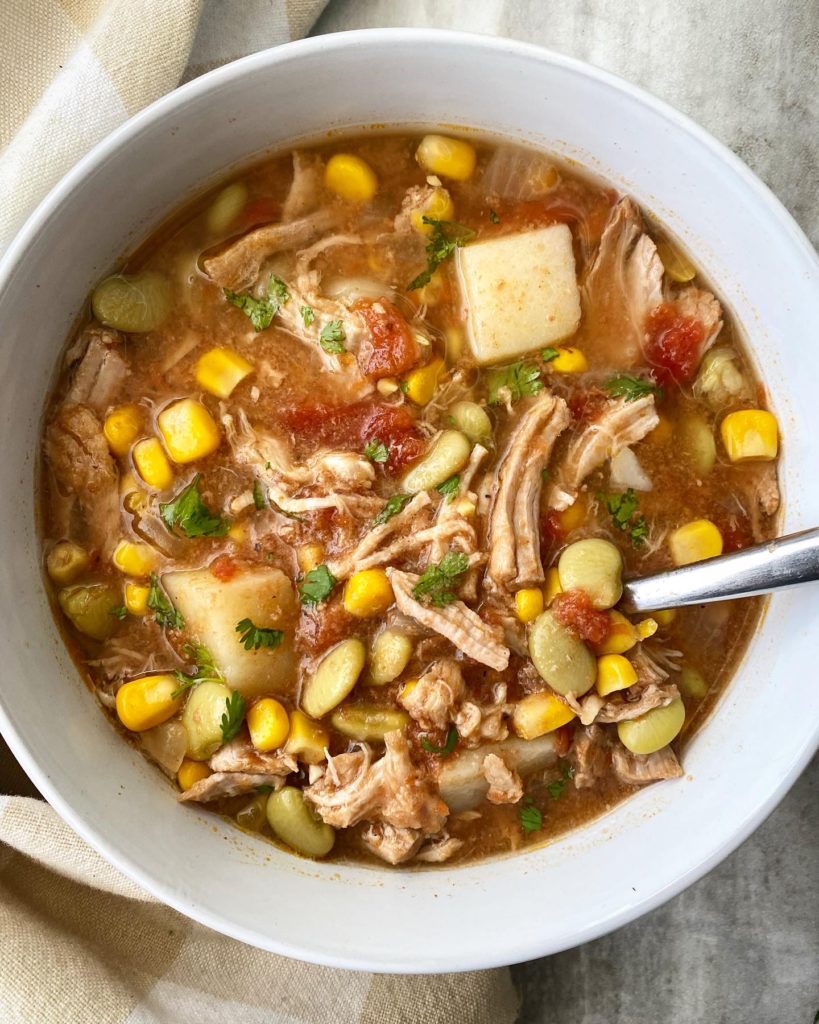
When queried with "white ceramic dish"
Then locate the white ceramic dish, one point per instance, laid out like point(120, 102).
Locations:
point(505, 910)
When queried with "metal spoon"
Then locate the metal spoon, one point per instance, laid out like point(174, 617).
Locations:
point(784, 562)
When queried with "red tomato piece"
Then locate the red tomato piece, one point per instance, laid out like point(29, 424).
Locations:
point(392, 349)
point(223, 568)
point(674, 344)
point(574, 610)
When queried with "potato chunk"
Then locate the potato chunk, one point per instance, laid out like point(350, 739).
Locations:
point(520, 292)
point(213, 608)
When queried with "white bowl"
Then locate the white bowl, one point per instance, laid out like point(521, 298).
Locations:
point(507, 909)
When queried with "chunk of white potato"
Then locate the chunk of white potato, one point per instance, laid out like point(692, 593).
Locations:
point(212, 608)
point(520, 292)
point(461, 782)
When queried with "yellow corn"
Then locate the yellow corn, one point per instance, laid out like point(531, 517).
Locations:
point(622, 635)
point(466, 508)
point(750, 435)
point(452, 158)
point(569, 360)
point(238, 533)
point(538, 714)
point(136, 598)
point(188, 430)
point(349, 177)
point(665, 616)
point(147, 702)
point(614, 672)
point(309, 556)
point(439, 206)
point(528, 604)
point(268, 723)
point(220, 370)
point(407, 688)
point(420, 384)
point(646, 628)
point(134, 559)
point(553, 587)
point(695, 541)
point(191, 772)
point(306, 739)
point(152, 464)
point(368, 593)
point(573, 517)
point(121, 428)
point(662, 433)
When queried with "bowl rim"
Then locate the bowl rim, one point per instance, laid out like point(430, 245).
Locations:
point(528, 946)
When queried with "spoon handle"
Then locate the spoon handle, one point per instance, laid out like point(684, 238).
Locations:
point(785, 562)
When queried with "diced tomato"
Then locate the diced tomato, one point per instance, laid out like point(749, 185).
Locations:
point(324, 625)
point(551, 531)
point(574, 610)
point(391, 350)
point(352, 426)
point(585, 406)
point(570, 203)
point(674, 344)
point(223, 568)
point(263, 210)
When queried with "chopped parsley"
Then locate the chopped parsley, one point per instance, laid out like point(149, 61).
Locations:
point(519, 380)
point(449, 488)
point(261, 311)
point(307, 315)
point(449, 743)
point(189, 514)
point(259, 499)
point(548, 354)
point(623, 508)
point(531, 819)
point(632, 388)
point(493, 216)
point(394, 505)
point(164, 612)
point(233, 717)
point(253, 637)
point(284, 512)
point(118, 611)
point(377, 451)
point(332, 337)
point(556, 788)
point(447, 236)
point(317, 585)
point(437, 584)
point(205, 670)
point(544, 474)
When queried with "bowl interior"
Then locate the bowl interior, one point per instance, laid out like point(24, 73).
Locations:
point(738, 766)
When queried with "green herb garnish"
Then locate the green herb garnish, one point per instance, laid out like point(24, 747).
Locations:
point(437, 584)
point(447, 236)
point(233, 717)
point(164, 612)
point(531, 819)
point(622, 508)
point(449, 488)
point(548, 354)
point(259, 499)
point(519, 379)
point(632, 388)
point(449, 744)
point(118, 611)
point(205, 670)
point(261, 311)
point(556, 788)
point(394, 505)
point(332, 337)
point(253, 637)
point(317, 585)
point(189, 514)
point(284, 512)
point(376, 451)
point(493, 216)
point(307, 315)
point(544, 474)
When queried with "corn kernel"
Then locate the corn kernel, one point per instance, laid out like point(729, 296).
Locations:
point(466, 508)
point(306, 739)
point(146, 702)
point(188, 430)
point(539, 713)
point(368, 593)
point(134, 559)
point(136, 598)
point(553, 587)
point(750, 435)
point(451, 158)
point(349, 177)
point(569, 360)
point(662, 433)
point(622, 635)
point(614, 672)
point(238, 533)
point(438, 206)
point(420, 385)
point(407, 688)
point(528, 604)
point(152, 464)
point(573, 517)
point(695, 541)
point(121, 428)
point(220, 370)
point(309, 556)
point(665, 616)
point(191, 772)
point(268, 723)
point(646, 628)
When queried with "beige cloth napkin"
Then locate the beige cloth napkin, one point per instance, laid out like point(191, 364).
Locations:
point(79, 942)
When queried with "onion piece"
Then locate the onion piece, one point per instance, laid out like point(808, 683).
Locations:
point(519, 174)
point(350, 290)
point(166, 744)
point(626, 472)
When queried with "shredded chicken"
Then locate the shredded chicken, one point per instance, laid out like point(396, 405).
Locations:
point(454, 521)
point(458, 623)
point(394, 845)
point(306, 188)
point(390, 790)
point(590, 755)
point(483, 723)
point(371, 546)
point(224, 784)
point(437, 693)
point(438, 849)
point(514, 535)
point(505, 785)
point(239, 755)
point(622, 286)
point(98, 376)
point(621, 425)
point(631, 703)
point(702, 306)
point(637, 769)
